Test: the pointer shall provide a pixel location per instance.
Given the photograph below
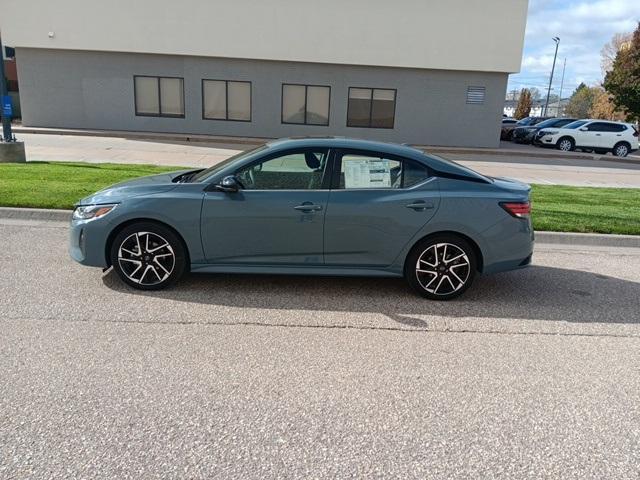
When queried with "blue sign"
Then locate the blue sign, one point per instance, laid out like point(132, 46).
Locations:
point(7, 111)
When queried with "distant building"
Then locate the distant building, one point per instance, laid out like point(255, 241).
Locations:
point(405, 71)
point(555, 109)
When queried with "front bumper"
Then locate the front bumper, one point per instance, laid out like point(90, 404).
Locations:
point(87, 243)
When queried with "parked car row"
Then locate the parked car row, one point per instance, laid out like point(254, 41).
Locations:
point(568, 134)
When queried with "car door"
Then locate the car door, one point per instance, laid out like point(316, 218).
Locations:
point(598, 136)
point(276, 218)
point(377, 204)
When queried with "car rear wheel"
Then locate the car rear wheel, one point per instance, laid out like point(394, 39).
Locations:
point(621, 149)
point(566, 144)
point(148, 256)
point(441, 267)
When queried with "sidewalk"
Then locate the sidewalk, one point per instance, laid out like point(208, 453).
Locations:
point(161, 149)
point(505, 149)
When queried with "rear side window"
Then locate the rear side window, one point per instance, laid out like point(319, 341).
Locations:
point(363, 171)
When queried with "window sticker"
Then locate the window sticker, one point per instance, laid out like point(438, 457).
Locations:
point(366, 173)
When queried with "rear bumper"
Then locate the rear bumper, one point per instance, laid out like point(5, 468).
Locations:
point(509, 245)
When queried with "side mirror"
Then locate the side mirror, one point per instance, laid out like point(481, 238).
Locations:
point(228, 184)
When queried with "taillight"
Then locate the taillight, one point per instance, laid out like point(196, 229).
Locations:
point(635, 132)
point(517, 209)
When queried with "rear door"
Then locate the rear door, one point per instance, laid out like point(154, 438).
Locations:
point(377, 204)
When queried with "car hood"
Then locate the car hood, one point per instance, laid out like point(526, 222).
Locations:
point(133, 188)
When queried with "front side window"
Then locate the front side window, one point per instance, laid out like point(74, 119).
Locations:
point(226, 100)
point(305, 104)
point(375, 171)
point(598, 127)
point(159, 96)
point(371, 108)
point(294, 170)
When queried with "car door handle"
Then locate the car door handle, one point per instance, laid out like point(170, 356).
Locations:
point(308, 207)
point(598, 135)
point(420, 206)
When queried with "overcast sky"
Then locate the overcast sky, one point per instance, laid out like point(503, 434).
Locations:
point(584, 26)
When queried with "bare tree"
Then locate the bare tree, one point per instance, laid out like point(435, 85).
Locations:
point(611, 49)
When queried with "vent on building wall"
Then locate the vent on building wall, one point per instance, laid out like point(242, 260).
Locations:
point(475, 95)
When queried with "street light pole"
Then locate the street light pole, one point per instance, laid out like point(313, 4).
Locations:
point(546, 106)
point(4, 93)
point(564, 69)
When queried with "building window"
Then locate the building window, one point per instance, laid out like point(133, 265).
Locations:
point(371, 108)
point(159, 96)
point(475, 95)
point(305, 104)
point(226, 100)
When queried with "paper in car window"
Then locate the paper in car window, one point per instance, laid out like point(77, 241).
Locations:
point(366, 173)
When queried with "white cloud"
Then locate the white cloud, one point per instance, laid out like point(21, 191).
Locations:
point(583, 26)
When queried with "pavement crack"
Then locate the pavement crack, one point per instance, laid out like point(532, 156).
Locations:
point(446, 329)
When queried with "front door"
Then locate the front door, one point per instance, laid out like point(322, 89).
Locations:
point(378, 204)
point(276, 218)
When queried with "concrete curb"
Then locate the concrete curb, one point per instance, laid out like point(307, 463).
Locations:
point(557, 238)
point(35, 214)
point(588, 239)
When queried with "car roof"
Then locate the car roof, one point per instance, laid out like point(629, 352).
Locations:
point(345, 142)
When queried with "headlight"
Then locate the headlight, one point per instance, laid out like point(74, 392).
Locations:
point(91, 212)
point(549, 132)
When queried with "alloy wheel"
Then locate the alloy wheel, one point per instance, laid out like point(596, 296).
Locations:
point(443, 269)
point(146, 258)
point(622, 151)
point(565, 145)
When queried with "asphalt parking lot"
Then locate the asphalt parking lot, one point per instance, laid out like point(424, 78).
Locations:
point(533, 374)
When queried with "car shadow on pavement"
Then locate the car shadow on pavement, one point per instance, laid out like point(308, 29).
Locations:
point(540, 293)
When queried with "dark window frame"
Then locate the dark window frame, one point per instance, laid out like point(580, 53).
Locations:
point(159, 114)
point(336, 169)
point(226, 93)
point(306, 99)
point(395, 102)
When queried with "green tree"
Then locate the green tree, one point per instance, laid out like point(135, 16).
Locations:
point(623, 81)
point(581, 101)
point(524, 104)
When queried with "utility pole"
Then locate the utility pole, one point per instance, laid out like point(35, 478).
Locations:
point(4, 96)
point(561, 87)
point(546, 106)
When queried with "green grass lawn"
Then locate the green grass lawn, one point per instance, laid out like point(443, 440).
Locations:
point(61, 185)
point(555, 208)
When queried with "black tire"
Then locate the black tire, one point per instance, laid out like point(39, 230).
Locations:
point(566, 144)
point(148, 256)
point(449, 285)
point(621, 149)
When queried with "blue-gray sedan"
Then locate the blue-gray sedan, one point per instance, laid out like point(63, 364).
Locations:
point(323, 206)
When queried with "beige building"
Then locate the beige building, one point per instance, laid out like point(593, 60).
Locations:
point(418, 71)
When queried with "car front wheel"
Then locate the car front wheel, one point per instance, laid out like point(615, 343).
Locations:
point(441, 267)
point(148, 256)
point(566, 144)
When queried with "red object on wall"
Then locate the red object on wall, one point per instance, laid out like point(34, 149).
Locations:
point(11, 72)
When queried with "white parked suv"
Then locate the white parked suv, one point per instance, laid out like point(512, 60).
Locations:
point(599, 136)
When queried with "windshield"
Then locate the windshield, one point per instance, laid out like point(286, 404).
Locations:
point(548, 123)
point(576, 124)
point(219, 166)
